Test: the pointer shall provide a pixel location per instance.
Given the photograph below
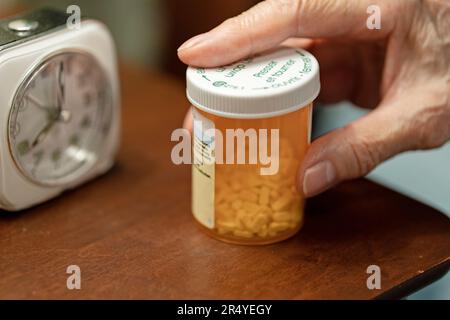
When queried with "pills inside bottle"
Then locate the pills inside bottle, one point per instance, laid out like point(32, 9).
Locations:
point(252, 124)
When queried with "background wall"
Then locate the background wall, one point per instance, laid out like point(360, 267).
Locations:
point(139, 26)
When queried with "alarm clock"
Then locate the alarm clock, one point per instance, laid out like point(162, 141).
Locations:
point(59, 106)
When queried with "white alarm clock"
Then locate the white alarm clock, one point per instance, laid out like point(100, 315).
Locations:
point(59, 106)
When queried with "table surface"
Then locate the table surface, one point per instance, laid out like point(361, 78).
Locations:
point(132, 234)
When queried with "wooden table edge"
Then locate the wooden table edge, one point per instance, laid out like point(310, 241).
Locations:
point(416, 283)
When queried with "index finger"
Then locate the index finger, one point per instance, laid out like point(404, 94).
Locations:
point(270, 22)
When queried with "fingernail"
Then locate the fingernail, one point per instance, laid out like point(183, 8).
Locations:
point(193, 41)
point(319, 178)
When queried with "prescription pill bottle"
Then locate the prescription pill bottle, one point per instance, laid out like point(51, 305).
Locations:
point(252, 127)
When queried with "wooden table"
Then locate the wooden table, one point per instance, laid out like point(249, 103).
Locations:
point(132, 234)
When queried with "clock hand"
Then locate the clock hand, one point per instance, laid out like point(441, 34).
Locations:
point(37, 103)
point(54, 115)
point(61, 87)
point(42, 134)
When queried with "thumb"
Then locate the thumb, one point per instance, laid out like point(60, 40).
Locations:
point(353, 151)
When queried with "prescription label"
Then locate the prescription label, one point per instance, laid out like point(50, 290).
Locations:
point(203, 170)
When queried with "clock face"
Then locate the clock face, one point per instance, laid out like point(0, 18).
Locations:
point(59, 119)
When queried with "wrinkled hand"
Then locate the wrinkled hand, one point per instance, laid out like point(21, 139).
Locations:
point(401, 70)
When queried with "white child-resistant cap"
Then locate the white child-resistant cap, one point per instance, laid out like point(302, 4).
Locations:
point(267, 85)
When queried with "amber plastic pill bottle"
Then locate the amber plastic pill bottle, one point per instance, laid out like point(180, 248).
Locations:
point(252, 125)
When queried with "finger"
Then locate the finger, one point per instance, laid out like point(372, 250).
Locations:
point(356, 149)
point(272, 21)
point(303, 43)
point(262, 27)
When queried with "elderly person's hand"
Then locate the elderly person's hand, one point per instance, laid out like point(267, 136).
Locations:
point(402, 70)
